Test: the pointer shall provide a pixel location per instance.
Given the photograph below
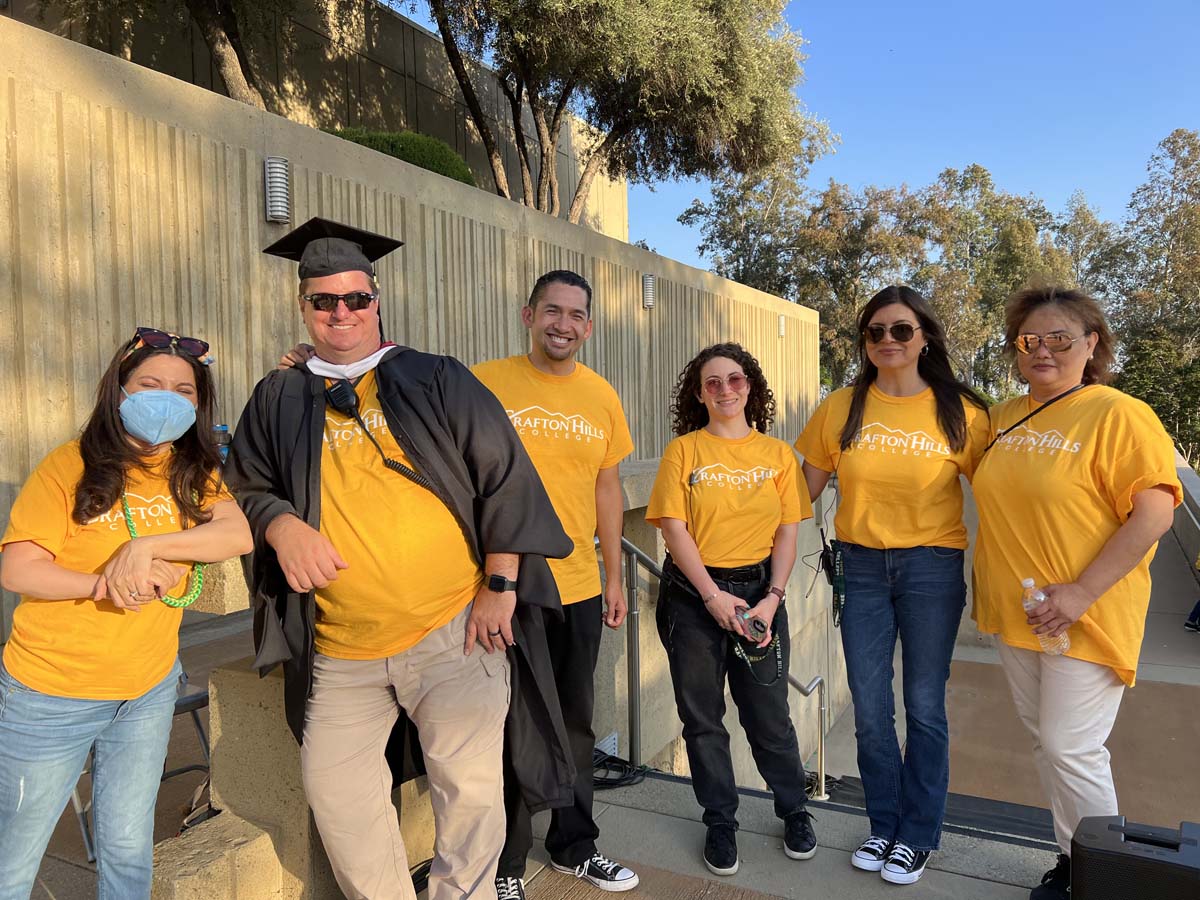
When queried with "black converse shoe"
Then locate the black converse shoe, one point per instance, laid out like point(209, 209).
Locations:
point(1056, 884)
point(510, 889)
point(602, 872)
point(799, 839)
point(904, 864)
point(871, 854)
point(720, 850)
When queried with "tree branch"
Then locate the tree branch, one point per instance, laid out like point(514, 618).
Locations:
point(597, 158)
point(514, 101)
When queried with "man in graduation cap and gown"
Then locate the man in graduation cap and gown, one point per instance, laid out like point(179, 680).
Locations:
point(398, 526)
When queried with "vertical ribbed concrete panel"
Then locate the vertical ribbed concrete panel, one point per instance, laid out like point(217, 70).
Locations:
point(130, 198)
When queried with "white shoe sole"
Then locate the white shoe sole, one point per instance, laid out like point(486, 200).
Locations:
point(613, 887)
point(796, 854)
point(867, 865)
point(901, 877)
point(732, 870)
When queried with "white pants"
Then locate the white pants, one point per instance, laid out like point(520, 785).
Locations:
point(1069, 707)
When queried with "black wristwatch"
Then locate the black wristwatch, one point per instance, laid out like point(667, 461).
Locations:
point(499, 584)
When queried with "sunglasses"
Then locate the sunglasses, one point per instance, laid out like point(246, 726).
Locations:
point(355, 300)
point(737, 383)
point(161, 340)
point(900, 331)
point(1056, 342)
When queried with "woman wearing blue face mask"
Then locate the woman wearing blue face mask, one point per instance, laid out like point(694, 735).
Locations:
point(105, 544)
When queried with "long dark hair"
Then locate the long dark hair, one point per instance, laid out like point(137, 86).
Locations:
point(688, 413)
point(108, 454)
point(933, 366)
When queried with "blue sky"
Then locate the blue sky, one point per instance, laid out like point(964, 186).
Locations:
point(1050, 96)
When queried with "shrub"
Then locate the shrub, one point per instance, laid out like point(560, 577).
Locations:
point(418, 149)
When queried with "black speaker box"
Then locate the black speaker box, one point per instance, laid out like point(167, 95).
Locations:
point(1112, 860)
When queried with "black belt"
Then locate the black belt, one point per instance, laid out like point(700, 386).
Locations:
point(751, 574)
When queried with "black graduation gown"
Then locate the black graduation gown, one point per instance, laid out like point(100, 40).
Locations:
point(457, 435)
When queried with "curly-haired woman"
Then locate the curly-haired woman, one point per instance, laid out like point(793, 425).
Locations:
point(728, 502)
point(99, 544)
point(899, 438)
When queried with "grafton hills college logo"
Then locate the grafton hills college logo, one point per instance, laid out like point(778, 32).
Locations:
point(156, 511)
point(720, 475)
point(539, 422)
point(343, 431)
point(879, 438)
point(1025, 439)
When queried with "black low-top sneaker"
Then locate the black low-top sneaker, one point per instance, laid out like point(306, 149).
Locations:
point(871, 854)
point(1192, 624)
point(1056, 884)
point(510, 889)
point(720, 850)
point(799, 839)
point(904, 864)
point(602, 872)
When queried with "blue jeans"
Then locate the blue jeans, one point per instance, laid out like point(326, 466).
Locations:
point(44, 743)
point(918, 594)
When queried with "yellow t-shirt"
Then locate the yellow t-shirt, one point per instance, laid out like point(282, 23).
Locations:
point(411, 569)
point(1050, 495)
point(732, 493)
point(80, 648)
point(899, 481)
point(572, 426)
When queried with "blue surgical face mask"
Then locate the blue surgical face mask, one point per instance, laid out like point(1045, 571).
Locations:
point(156, 417)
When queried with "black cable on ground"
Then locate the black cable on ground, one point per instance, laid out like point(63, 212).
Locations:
point(613, 772)
point(810, 784)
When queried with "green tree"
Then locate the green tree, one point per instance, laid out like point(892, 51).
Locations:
point(670, 88)
point(1159, 370)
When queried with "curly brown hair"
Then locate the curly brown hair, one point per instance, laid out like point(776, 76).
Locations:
point(1083, 308)
point(688, 413)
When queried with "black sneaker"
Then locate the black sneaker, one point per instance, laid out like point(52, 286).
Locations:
point(799, 840)
point(510, 889)
point(904, 864)
point(1192, 625)
point(1056, 884)
point(720, 850)
point(601, 872)
point(871, 854)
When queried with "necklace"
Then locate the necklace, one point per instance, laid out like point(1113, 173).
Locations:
point(195, 577)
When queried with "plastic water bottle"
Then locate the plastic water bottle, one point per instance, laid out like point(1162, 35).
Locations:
point(1031, 599)
point(221, 438)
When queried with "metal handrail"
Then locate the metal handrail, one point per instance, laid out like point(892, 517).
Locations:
point(634, 557)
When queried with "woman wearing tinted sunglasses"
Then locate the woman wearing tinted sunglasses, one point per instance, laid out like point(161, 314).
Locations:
point(1075, 497)
point(898, 439)
point(103, 544)
point(728, 503)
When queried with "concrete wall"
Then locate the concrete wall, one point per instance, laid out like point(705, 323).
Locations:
point(1187, 515)
point(362, 65)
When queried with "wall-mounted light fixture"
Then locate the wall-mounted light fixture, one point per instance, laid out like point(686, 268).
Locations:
point(782, 325)
point(649, 291)
point(277, 182)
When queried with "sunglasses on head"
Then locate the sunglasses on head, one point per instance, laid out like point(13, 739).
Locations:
point(355, 300)
point(737, 383)
point(161, 340)
point(1056, 342)
point(900, 331)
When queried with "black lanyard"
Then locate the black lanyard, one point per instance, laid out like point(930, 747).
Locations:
point(1028, 416)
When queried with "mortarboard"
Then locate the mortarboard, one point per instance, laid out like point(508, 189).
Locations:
point(324, 247)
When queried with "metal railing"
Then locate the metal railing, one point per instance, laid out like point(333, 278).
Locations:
point(635, 557)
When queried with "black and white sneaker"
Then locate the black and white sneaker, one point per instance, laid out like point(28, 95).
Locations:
point(799, 839)
point(904, 864)
point(510, 889)
point(602, 872)
point(720, 850)
point(1192, 624)
point(871, 854)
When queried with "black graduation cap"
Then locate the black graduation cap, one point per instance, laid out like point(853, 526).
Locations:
point(324, 247)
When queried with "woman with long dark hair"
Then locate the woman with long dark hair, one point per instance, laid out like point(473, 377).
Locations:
point(728, 502)
point(898, 440)
point(105, 544)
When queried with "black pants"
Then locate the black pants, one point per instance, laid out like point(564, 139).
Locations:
point(701, 656)
point(571, 840)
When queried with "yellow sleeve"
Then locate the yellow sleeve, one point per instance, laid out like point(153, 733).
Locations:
point(1140, 456)
point(668, 498)
point(813, 443)
point(620, 443)
point(42, 511)
point(979, 435)
point(796, 507)
point(217, 491)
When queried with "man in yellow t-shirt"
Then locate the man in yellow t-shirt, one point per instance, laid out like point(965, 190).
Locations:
point(571, 422)
point(397, 523)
